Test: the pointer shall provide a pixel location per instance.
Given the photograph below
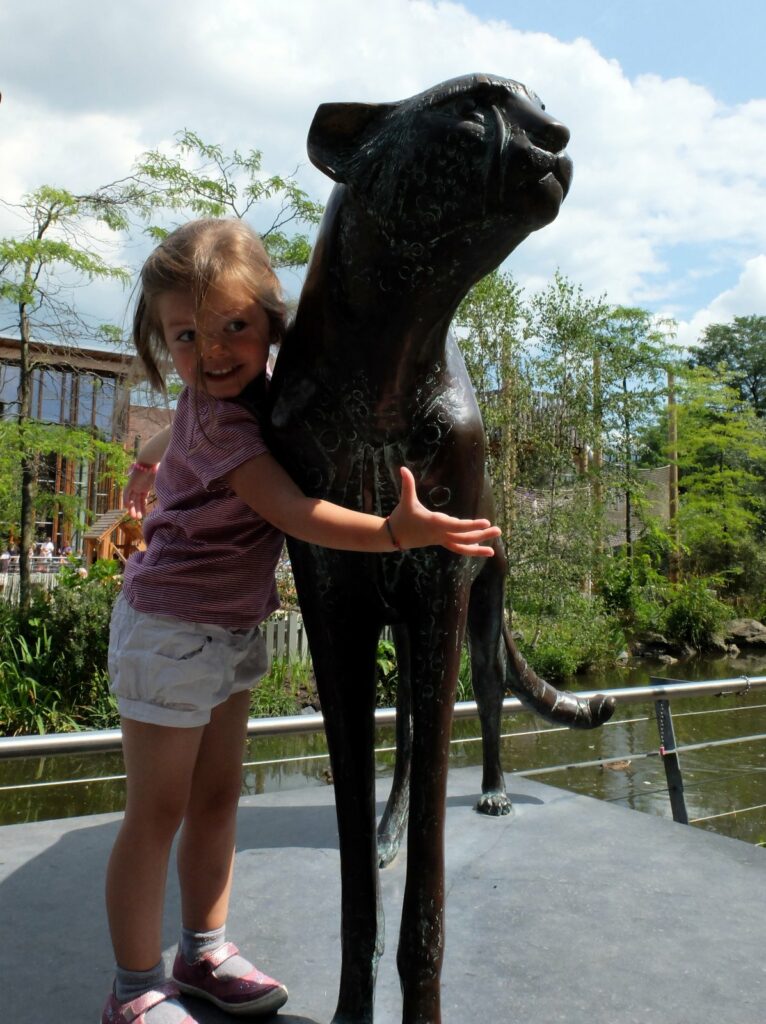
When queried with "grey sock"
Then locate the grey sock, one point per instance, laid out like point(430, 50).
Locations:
point(194, 945)
point(129, 985)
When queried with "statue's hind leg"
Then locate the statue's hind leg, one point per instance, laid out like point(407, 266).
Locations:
point(394, 820)
point(488, 668)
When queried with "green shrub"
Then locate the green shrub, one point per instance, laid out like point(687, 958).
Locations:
point(745, 580)
point(280, 691)
point(582, 634)
point(387, 675)
point(28, 705)
point(288, 595)
point(554, 658)
point(464, 682)
point(694, 615)
point(646, 602)
point(79, 610)
point(634, 591)
point(53, 661)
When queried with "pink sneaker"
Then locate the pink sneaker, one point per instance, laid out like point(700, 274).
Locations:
point(133, 1012)
point(254, 993)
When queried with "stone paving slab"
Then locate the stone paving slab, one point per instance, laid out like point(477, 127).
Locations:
point(570, 910)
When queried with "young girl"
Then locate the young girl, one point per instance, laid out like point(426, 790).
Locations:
point(184, 645)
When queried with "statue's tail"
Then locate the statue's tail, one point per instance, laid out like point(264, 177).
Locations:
point(557, 706)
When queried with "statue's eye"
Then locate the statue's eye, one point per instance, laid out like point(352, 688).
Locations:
point(468, 110)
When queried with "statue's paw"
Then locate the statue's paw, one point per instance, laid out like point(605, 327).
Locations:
point(495, 803)
point(388, 847)
point(584, 714)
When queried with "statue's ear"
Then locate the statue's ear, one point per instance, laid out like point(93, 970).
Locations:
point(336, 131)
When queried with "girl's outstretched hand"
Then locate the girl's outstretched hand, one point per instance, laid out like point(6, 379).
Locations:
point(414, 526)
point(140, 483)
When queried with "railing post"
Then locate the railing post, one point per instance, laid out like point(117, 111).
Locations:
point(671, 761)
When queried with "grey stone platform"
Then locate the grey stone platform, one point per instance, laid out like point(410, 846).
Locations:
point(571, 910)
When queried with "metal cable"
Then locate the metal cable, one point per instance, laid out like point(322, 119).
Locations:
point(726, 814)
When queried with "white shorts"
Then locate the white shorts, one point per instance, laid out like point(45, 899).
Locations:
point(167, 671)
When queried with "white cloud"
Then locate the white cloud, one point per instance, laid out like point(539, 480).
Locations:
point(659, 164)
point(746, 298)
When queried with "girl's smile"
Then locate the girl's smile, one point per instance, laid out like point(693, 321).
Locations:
point(224, 346)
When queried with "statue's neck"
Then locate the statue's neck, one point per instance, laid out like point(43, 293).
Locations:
point(388, 309)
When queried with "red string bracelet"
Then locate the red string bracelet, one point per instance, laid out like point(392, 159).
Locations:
point(390, 529)
point(145, 467)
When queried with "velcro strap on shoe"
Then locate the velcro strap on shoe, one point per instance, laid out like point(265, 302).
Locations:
point(218, 956)
point(155, 996)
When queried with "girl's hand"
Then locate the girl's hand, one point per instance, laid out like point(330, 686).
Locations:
point(413, 525)
point(140, 483)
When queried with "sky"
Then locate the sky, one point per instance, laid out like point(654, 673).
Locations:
point(665, 101)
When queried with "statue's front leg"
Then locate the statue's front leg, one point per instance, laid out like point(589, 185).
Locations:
point(435, 665)
point(343, 650)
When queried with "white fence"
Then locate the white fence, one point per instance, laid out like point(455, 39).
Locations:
point(9, 583)
point(285, 637)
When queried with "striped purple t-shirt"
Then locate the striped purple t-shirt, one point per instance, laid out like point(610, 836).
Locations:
point(209, 556)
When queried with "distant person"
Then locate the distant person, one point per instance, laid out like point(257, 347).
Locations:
point(185, 647)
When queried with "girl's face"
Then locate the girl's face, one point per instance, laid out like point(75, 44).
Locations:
point(226, 346)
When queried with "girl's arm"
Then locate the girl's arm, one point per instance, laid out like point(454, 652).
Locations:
point(151, 451)
point(270, 491)
point(143, 471)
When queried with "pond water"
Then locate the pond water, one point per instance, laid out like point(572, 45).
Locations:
point(717, 781)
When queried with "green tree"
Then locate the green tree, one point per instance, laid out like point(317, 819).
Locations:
point(558, 523)
point(491, 325)
point(740, 347)
point(49, 439)
point(199, 178)
point(54, 250)
point(634, 351)
point(10, 479)
point(722, 462)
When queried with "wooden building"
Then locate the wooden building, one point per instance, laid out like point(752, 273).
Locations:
point(87, 388)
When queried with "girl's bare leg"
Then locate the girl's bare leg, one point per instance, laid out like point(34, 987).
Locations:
point(206, 845)
point(160, 764)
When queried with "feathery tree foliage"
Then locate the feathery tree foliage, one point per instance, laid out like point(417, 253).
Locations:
point(201, 180)
point(740, 347)
point(55, 250)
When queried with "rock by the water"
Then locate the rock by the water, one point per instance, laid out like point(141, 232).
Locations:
point(746, 633)
point(658, 647)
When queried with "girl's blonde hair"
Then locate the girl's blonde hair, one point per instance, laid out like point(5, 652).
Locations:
point(193, 258)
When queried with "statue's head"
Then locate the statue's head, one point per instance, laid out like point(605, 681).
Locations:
point(475, 159)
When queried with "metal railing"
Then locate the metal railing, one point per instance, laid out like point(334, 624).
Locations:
point(111, 739)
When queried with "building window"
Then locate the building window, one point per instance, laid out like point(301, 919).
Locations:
point(104, 394)
point(84, 401)
point(51, 401)
point(9, 391)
